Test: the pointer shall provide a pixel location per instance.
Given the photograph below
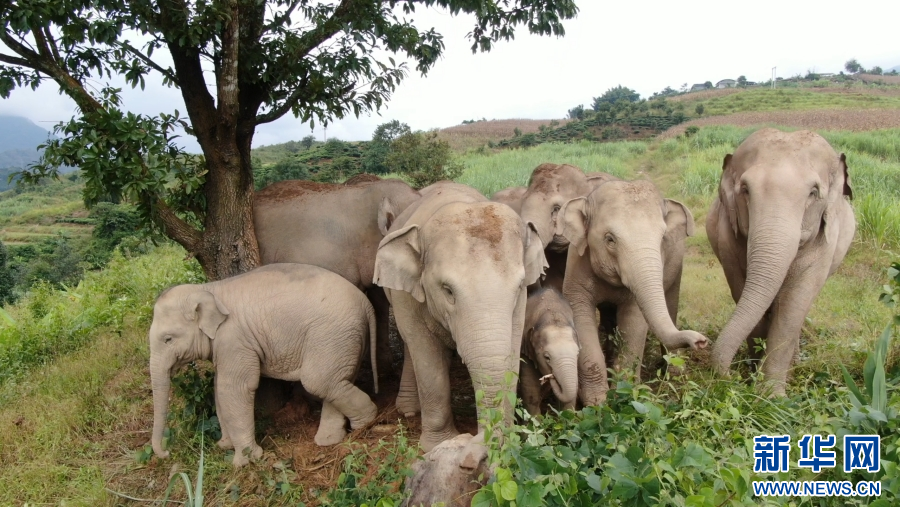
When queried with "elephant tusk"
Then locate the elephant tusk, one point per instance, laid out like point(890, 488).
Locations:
point(546, 378)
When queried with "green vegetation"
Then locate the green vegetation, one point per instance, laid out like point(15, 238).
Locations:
point(793, 99)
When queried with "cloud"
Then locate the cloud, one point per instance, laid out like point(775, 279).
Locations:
point(643, 45)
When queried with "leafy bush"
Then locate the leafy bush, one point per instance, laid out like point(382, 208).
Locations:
point(619, 94)
point(423, 158)
point(49, 321)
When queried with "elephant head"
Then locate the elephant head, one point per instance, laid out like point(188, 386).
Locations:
point(781, 194)
point(626, 227)
point(469, 265)
point(552, 345)
point(186, 319)
point(549, 188)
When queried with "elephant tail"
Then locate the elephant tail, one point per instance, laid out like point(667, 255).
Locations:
point(373, 343)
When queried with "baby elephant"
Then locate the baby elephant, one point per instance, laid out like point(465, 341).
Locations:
point(287, 321)
point(549, 351)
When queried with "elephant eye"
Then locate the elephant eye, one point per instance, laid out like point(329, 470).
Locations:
point(547, 356)
point(610, 239)
point(168, 338)
point(556, 208)
point(814, 193)
point(745, 190)
point(449, 292)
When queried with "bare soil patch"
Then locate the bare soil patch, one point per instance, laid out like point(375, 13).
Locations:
point(474, 135)
point(856, 120)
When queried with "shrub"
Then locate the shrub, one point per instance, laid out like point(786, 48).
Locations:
point(423, 158)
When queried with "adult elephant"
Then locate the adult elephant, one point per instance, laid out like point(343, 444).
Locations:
point(455, 268)
point(511, 197)
point(336, 227)
point(626, 250)
point(780, 227)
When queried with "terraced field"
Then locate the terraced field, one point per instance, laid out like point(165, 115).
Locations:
point(855, 120)
point(475, 135)
point(45, 211)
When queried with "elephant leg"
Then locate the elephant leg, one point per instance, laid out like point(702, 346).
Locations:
point(529, 379)
point(236, 383)
point(633, 327)
point(338, 395)
point(789, 311)
point(383, 354)
point(431, 364)
point(225, 441)
point(408, 397)
point(331, 426)
point(592, 376)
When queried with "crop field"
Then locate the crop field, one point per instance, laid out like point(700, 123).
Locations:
point(795, 99)
point(475, 135)
point(855, 120)
point(56, 208)
point(83, 352)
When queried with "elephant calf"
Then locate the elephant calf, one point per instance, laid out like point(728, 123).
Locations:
point(287, 321)
point(549, 351)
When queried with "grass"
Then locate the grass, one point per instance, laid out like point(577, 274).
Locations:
point(490, 172)
point(793, 99)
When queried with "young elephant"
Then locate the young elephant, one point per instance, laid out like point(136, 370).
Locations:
point(780, 226)
point(549, 351)
point(626, 249)
point(286, 321)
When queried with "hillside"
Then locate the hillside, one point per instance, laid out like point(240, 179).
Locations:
point(19, 139)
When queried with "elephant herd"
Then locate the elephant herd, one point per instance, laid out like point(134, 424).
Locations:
point(533, 281)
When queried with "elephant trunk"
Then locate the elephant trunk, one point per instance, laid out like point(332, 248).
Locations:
point(645, 280)
point(772, 242)
point(486, 350)
point(565, 381)
point(160, 381)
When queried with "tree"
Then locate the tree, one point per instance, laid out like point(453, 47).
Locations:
point(308, 141)
point(699, 109)
point(238, 64)
point(424, 158)
point(852, 66)
point(576, 113)
point(373, 160)
point(876, 70)
point(742, 81)
point(613, 95)
point(708, 84)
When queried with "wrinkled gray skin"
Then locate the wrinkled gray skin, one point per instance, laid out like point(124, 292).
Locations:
point(286, 321)
point(455, 268)
point(336, 227)
point(511, 197)
point(780, 226)
point(549, 346)
point(626, 249)
point(551, 186)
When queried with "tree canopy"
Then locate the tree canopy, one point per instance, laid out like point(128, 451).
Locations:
point(613, 95)
point(238, 64)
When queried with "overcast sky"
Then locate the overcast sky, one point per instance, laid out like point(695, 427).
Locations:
point(645, 45)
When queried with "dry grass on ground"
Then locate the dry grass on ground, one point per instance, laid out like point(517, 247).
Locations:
point(475, 135)
point(856, 120)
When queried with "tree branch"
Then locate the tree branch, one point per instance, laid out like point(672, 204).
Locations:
point(53, 47)
point(12, 60)
point(278, 20)
point(280, 111)
point(177, 229)
point(150, 63)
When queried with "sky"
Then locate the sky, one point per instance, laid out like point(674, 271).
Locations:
point(644, 45)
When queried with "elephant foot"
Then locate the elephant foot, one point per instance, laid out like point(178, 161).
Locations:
point(225, 443)
point(429, 439)
point(408, 404)
point(331, 426)
point(243, 457)
point(367, 415)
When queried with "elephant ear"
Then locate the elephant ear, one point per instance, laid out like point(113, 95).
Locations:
point(535, 260)
point(574, 223)
point(678, 217)
point(527, 346)
point(386, 215)
point(726, 194)
point(205, 308)
point(398, 263)
point(839, 187)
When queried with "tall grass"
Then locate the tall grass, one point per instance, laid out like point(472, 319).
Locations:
point(47, 322)
point(490, 172)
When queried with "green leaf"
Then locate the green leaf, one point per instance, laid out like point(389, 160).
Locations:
point(593, 480)
point(482, 499)
point(508, 490)
point(857, 397)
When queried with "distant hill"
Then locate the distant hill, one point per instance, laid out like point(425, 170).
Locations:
point(19, 139)
point(897, 68)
